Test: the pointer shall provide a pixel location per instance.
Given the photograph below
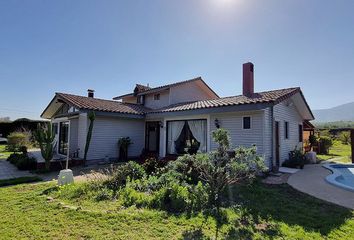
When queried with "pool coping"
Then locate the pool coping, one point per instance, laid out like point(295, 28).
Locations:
point(335, 174)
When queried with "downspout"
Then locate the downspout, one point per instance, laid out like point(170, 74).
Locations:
point(272, 139)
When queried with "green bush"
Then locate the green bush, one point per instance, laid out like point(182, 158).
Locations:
point(16, 140)
point(130, 170)
point(131, 197)
point(296, 159)
point(173, 199)
point(153, 166)
point(103, 194)
point(345, 138)
point(22, 161)
point(325, 144)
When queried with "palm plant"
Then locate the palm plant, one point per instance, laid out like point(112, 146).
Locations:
point(45, 138)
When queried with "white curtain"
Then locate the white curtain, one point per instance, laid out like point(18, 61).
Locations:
point(198, 129)
point(174, 131)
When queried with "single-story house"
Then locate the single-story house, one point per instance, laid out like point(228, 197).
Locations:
point(179, 117)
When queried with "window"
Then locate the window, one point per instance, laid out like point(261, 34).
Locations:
point(187, 136)
point(300, 133)
point(141, 99)
point(63, 137)
point(157, 96)
point(246, 122)
point(286, 130)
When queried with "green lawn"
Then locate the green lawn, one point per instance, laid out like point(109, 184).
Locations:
point(266, 212)
point(3, 153)
point(338, 150)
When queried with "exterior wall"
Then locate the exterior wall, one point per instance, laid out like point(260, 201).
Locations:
point(233, 122)
point(82, 133)
point(187, 92)
point(155, 104)
point(268, 136)
point(130, 99)
point(74, 126)
point(287, 112)
point(107, 131)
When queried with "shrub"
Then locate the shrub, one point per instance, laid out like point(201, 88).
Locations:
point(22, 161)
point(130, 170)
point(17, 140)
point(325, 144)
point(103, 194)
point(130, 197)
point(174, 199)
point(153, 166)
point(296, 159)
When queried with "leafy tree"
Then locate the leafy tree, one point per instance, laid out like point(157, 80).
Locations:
point(45, 138)
point(91, 116)
point(344, 137)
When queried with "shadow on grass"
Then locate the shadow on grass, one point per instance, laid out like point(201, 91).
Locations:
point(284, 204)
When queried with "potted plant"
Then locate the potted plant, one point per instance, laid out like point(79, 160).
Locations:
point(123, 144)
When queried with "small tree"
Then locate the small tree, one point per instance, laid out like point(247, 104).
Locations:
point(325, 144)
point(91, 116)
point(344, 137)
point(220, 170)
point(45, 138)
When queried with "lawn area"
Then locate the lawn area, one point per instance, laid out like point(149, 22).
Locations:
point(3, 153)
point(266, 212)
point(338, 150)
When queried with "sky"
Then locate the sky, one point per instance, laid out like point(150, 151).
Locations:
point(109, 46)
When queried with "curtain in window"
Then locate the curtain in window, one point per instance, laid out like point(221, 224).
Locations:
point(174, 131)
point(198, 129)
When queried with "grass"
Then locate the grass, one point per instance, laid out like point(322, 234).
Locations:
point(266, 212)
point(20, 180)
point(340, 151)
point(3, 153)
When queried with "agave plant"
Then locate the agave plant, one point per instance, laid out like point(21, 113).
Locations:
point(45, 138)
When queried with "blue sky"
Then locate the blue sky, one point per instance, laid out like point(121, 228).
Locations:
point(70, 46)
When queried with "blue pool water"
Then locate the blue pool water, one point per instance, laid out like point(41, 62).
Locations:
point(343, 175)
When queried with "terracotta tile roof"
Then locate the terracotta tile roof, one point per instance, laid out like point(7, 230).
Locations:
point(274, 96)
point(97, 104)
point(165, 86)
point(141, 88)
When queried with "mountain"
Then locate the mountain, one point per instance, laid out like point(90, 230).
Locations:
point(343, 112)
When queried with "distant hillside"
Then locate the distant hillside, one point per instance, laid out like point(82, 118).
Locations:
point(343, 112)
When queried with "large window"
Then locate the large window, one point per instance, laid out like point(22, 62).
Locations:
point(246, 123)
point(187, 136)
point(63, 137)
point(300, 133)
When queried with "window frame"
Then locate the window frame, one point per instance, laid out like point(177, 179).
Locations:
point(286, 130)
point(184, 120)
point(157, 96)
point(243, 123)
point(301, 133)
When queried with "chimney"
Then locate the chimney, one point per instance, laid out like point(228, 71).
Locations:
point(248, 79)
point(90, 93)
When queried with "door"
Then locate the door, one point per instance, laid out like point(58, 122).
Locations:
point(277, 145)
point(152, 137)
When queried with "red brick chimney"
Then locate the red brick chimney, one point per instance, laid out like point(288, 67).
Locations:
point(248, 79)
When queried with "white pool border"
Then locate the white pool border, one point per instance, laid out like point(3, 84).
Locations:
point(335, 174)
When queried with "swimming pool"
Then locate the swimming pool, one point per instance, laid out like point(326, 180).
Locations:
point(343, 175)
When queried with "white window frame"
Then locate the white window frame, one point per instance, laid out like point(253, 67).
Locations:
point(243, 123)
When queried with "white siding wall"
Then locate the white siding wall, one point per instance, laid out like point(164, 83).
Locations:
point(286, 111)
point(74, 125)
point(187, 92)
point(267, 136)
point(155, 104)
point(107, 131)
point(82, 133)
point(233, 122)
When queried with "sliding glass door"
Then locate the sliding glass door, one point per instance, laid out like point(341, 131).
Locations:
point(186, 136)
point(63, 137)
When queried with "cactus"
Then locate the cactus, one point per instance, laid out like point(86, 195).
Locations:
point(91, 116)
point(45, 138)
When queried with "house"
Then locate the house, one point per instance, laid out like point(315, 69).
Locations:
point(179, 117)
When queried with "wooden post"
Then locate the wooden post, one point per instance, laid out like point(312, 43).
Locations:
point(352, 140)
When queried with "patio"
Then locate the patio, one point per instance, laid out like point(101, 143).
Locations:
point(311, 180)
point(8, 171)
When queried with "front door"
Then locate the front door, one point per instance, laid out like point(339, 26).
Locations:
point(152, 137)
point(277, 145)
point(63, 137)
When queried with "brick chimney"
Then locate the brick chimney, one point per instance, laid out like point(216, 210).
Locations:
point(248, 79)
point(90, 93)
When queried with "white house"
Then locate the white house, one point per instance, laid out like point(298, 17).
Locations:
point(179, 117)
